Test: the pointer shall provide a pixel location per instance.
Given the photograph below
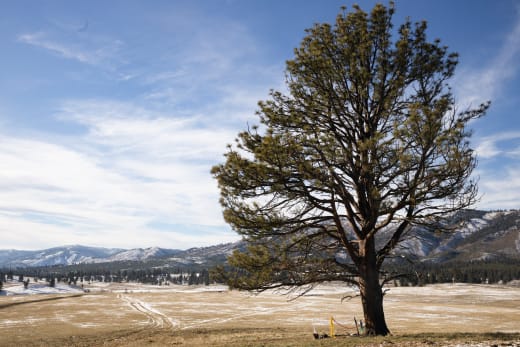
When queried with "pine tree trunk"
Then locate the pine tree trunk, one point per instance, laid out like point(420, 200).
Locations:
point(372, 294)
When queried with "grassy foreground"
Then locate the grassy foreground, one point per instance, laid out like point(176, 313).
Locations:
point(266, 337)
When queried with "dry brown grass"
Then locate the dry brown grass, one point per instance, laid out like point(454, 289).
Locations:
point(142, 316)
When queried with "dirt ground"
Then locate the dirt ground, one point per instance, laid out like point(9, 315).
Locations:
point(136, 315)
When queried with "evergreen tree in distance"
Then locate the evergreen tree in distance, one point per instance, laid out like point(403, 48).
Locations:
point(367, 139)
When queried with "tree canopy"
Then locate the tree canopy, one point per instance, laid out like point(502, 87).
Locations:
point(366, 143)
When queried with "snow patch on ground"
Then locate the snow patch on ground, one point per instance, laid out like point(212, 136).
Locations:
point(41, 289)
point(333, 288)
point(493, 215)
point(473, 225)
point(87, 325)
point(144, 288)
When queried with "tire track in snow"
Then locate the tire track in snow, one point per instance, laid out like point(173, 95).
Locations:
point(156, 318)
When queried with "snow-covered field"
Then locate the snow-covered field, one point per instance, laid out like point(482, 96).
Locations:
point(109, 308)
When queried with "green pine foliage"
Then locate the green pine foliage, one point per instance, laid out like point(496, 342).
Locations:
point(368, 137)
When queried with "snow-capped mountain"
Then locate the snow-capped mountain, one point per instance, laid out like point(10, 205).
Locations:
point(474, 235)
point(138, 254)
point(69, 255)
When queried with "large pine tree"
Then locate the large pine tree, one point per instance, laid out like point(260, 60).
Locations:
point(367, 139)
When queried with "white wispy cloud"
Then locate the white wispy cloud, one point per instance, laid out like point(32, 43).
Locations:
point(126, 128)
point(499, 189)
point(93, 51)
point(474, 86)
point(500, 144)
point(39, 40)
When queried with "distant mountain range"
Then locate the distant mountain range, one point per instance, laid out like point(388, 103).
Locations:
point(73, 255)
point(69, 255)
point(478, 235)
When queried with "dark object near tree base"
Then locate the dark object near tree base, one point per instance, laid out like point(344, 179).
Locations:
point(319, 337)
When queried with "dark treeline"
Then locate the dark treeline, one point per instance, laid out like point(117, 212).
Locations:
point(484, 271)
point(418, 273)
point(81, 277)
point(149, 272)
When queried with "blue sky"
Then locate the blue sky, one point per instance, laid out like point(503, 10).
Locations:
point(113, 112)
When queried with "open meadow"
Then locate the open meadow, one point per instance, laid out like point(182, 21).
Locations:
point(138, 315)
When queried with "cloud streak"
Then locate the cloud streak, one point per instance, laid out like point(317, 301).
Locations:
point(500, 190)
point(500, 144)
point(477, 86)
point(96, 51)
